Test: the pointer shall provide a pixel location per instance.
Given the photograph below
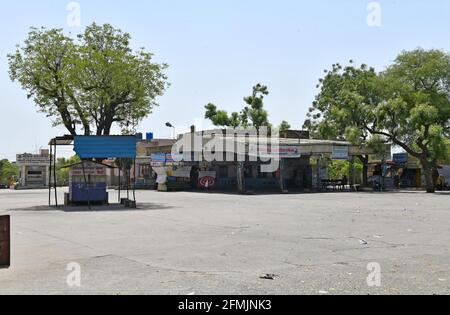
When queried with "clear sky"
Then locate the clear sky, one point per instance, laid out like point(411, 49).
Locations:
point(218, 49)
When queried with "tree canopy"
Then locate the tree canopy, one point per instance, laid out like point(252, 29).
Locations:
point(252, 115)
point(91, 83)
point(408, 105)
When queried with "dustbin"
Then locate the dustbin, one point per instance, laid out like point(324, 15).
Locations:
point(5, 242)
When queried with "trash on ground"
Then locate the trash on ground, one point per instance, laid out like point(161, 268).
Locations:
point(269, 277)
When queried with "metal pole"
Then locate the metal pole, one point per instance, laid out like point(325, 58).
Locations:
point(134, 184)
point(128, 183)
point(283, 189)
point(54, 175)
point(352, 173)
point(50, 176)
point(319, 177)
point(86, 184)
point(120, 184)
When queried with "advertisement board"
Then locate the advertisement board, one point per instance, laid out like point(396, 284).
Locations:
point(275, 151)
point(29, 159)
point(207, 179)
point(400, 158)
point(340, 153)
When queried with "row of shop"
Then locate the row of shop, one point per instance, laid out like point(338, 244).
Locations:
point(298, 161)
point(300, 165)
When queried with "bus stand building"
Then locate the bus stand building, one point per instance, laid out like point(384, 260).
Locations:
point(299, 162)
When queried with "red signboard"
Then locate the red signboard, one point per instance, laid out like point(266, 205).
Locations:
point(5, 242)
point(207, 180)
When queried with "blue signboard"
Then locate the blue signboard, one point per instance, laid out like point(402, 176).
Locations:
point(166, 158)
point(401, 158)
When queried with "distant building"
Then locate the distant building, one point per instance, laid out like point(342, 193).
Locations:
point(34, 170)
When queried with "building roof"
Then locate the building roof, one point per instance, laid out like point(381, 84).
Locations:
point(158, 142)
point(305, 146)
point(103, 147)
point(62, 141)
point(93, 162)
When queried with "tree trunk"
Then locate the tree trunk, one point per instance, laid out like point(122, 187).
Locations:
point(365, 173)
point(428, 171)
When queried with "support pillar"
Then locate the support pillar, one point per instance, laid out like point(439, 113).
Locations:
point(55, 178)
point(282, 185)
point(319, 174)
point(352, 172)
point(240, 177)
point(50, 177)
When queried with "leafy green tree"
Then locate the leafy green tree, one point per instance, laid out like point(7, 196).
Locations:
point(415, 112)
point(284, 127)
point(8, 172)
point(408, 105)
point(255, 110)
point(346, 95)
point(218, 117)
point(235, 121)
point(252, 115)
point(93, 83)
point(338, 170)
point(62, 172)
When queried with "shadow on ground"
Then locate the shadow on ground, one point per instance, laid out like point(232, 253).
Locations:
point(110, 208)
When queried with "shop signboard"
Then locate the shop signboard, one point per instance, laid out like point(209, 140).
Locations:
point(88, 170)
point(400, 158)
point(30, 159)
point(207, 179)
point(340, 153)
point(162, 159)
point(275, 151)
point(179, 172)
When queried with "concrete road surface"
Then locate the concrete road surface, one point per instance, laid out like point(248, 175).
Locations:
point(197, 243)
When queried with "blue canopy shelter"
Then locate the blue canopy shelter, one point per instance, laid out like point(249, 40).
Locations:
point(105, 147)
point(98, 148)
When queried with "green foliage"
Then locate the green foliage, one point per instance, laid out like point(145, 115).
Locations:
point(338, 170)
point(252, 115)
point(416, 111)
point(218, 117)
point(255, 111)
point(93, 82)
point(235, 120)
point(8, 172)
point(408, 105)
point(62, 173)
point(344, 102)
point(285, 126)
point(125, 164)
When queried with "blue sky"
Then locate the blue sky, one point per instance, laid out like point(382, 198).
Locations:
point(218, 49)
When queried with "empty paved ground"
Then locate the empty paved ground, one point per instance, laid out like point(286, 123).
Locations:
point(193, 243)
